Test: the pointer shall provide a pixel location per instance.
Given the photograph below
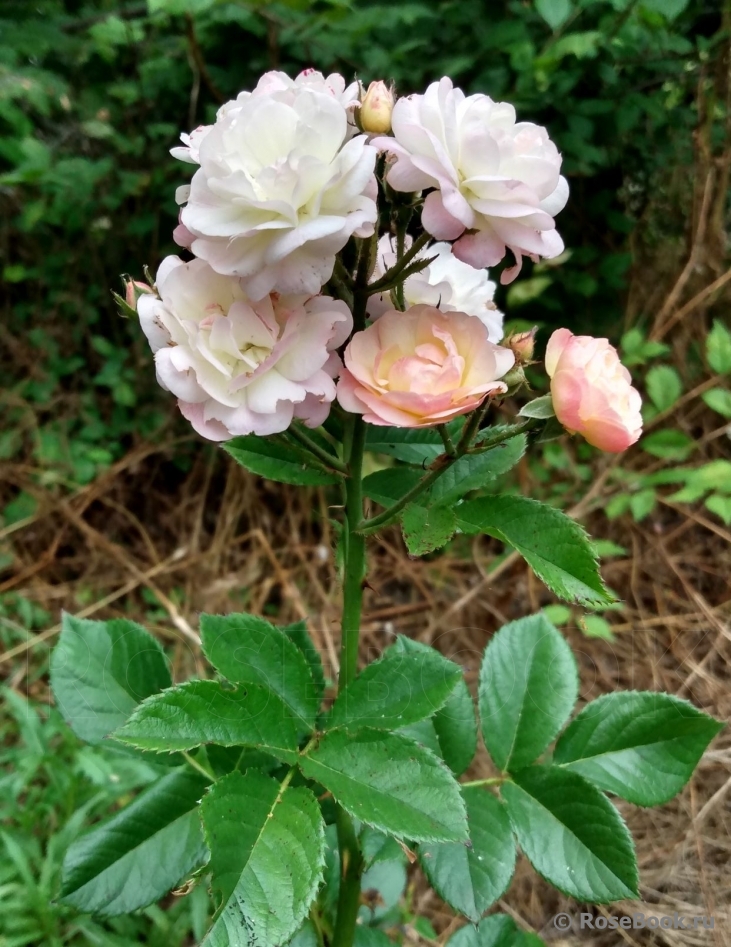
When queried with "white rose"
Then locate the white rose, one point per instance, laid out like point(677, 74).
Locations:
point(237, 366)
point(334, 85)
point(496, 179)
point(447, 284)
point(279, 191)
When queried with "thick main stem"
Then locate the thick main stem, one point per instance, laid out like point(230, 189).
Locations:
point(351, 860)
point(351, 868)
point(354, 558)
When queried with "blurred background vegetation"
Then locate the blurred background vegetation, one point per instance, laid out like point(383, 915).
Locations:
point(99, 513)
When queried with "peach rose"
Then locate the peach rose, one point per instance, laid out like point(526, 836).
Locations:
point(592, 391)
point(421, 367)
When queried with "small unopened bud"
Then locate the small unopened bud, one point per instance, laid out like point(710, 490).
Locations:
point(515, 379)
point(133, 289)
point(374, 115)
point(522, 345)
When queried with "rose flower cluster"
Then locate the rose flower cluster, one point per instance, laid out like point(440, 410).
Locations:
point(253, 332)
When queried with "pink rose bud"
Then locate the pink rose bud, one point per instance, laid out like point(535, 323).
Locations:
point(592, 391)
point(376, 109)
point(421, 367)
point(522, 345)
point(133, 289)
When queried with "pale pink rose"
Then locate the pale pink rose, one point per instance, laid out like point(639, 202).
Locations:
point(421, 367)
point(592, 391)
point(495, 178)
point(239, 366)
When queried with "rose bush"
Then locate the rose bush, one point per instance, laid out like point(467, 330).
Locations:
point(421, 367)
point(281, 186)
point(592, 391)
point(495, 178)
point(239, 366)
point(446, 283)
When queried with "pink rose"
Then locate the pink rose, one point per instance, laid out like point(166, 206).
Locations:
point(592, 391)
point(497, 181)
point(421, 367)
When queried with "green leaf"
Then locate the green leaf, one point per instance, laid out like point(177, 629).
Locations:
point(425, 530)
point(498, 930)
point(541, 408)
point(249, 650)
point(555, 546)
point(663, 386)
point(557, 614)
point(454, 726)
point(387, 486)
point(668, 444)
point(267, 847)
point(456, 729)
point(526, 291)
point(306, 936)
point(528, 687)
point(387, 880)
point(719, 400)
point(642, 503)
point(467, 473)
point(572, 834)
point(412, 445)
point(391, 783)
point(377, 847)
point(475, 470)
point(370, 937)
point(718, 348)
point(554, 12)
point(101, 670)
point(279, 462)
point(721, 506)
point(594, 626)
point(141, 852)
point(669, 8)
point(472, 878)
point(395, 691)
point(299, 634)
point(641, 746)
point(199, 712)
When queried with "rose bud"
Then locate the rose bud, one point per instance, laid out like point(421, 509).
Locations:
point(592, 391)
point(376, 108)
point(133, 289)
point(522, 345)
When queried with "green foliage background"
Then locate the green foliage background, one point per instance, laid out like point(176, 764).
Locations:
point(92, 96)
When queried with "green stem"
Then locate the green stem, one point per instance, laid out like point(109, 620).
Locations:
point(446, 440)
point(351, 860)
point(493, 781)
point(354, 556)
point(375, 523)
point(311, 445)
point(390, 277)
point(198, 766)
point(443, 463)
point(351, 868)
